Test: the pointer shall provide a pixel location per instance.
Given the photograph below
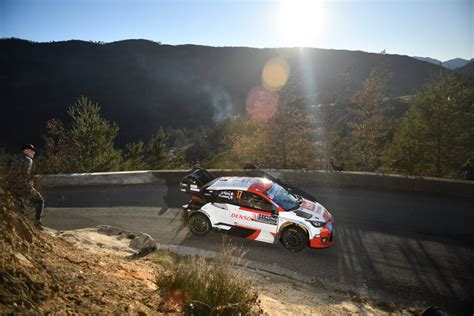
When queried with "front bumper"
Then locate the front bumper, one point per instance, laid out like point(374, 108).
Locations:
point(325, 238)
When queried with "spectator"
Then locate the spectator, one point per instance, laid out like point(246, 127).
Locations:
point(468, 170)
point(24, 165)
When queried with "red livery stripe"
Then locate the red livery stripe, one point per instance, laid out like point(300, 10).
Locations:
point(254, 235)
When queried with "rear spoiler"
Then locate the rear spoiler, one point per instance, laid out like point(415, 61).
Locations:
point(194, 181)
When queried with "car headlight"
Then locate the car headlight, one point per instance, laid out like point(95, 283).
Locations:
point(317, 224)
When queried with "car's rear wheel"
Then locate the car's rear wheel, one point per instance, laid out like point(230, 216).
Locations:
point(294, 239)
point(199, 224)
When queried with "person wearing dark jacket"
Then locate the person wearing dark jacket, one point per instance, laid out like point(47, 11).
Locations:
point(468, 170)
point(25, 163)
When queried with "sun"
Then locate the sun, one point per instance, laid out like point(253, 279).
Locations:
point(301, 21)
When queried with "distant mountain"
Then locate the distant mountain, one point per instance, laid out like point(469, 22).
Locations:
point(143, 85)
point(449, 64)
point(455, 63)
point(467, 70)
point(428, 60)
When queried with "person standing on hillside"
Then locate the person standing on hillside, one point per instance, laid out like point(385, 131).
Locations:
point(24, 165)
point(468, 170)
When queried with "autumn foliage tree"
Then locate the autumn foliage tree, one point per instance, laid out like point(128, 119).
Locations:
point(289, 139)
point(285, 141)
point(370, 126)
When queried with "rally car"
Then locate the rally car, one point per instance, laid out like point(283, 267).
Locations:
point(255, 208)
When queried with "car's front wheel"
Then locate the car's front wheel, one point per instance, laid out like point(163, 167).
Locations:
point(199, 224)
point(294, 239)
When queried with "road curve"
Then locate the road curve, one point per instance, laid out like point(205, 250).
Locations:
point(398, 247)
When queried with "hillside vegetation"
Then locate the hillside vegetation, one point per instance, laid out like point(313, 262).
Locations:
point(144, 85)
point(153, 106)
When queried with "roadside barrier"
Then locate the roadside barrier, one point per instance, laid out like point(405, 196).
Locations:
point(297, 178)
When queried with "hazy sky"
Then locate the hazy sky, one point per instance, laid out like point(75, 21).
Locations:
point(439, 29)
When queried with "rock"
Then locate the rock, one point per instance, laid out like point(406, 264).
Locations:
point(121, 236)
point(113, 231)
point(143, 242)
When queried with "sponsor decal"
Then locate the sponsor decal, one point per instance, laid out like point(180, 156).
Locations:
point(267, 219)
point(228, 195)
point(325, 215)
point(308, 205)
point(257, 217)
point(240, 216)
point(194, 187)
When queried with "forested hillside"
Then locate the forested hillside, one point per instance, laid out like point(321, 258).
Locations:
point(143, 85)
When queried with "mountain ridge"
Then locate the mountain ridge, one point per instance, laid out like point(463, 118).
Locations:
point(452, 64)
point(142, 85)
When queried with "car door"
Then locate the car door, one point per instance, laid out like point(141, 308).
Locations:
point(221, 207)
point(255, 212)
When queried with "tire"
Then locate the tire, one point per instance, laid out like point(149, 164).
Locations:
point(294, 239)
point(199, 224)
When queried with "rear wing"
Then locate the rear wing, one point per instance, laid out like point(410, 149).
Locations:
point(194, 181)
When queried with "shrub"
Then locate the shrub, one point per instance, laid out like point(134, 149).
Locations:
point(217, 287)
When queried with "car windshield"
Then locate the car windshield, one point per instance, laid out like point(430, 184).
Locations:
point(283, 198)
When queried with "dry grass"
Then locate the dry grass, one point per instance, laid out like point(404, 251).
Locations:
point(218, 287)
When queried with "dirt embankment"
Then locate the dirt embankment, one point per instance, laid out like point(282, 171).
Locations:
point(45, 274)
point(85, 272)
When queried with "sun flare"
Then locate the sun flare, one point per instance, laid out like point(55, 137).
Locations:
point(301, 21)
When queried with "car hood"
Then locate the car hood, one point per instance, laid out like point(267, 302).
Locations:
point(313, 211)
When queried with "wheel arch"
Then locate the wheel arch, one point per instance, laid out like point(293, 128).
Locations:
point(200, 211)
point(292, 224)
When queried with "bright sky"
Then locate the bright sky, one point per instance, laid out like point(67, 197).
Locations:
point(442, 29)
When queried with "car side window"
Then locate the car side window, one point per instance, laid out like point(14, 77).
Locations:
point(254, 201)
point(225, 196)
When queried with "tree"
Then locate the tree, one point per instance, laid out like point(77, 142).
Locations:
point(55, 158)
point(437, 131)
point(370, 126)
point(92, 138)
point(246, 140)
point(332, 117)
point(406, 152)
point(155, 151)
point(87, 145)
point(289, 139)
point(134, 156)
point(285, 141)
point(331, 120)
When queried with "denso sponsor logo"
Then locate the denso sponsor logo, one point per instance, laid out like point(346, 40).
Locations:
point(239, 216)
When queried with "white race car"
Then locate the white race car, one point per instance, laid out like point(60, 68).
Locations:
point(257, 209)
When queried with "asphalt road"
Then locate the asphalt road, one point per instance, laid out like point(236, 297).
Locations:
point(399, 247)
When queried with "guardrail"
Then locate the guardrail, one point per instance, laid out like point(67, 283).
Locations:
point(360, 180)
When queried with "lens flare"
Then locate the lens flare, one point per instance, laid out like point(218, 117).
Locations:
point(261, 104)
point(275, 74)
